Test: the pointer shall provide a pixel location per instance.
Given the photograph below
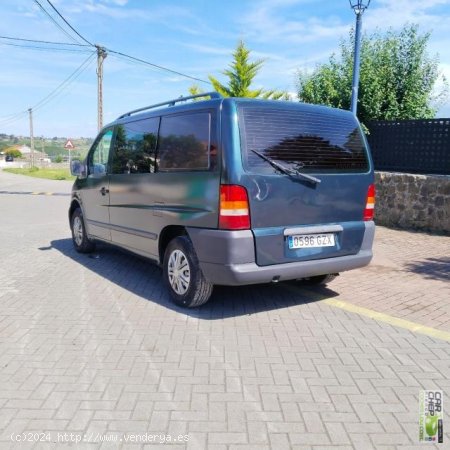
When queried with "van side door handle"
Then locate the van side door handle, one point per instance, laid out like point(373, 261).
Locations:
point(104, 191)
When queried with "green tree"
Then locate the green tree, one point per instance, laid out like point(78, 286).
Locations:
point(14, 152)
point(397, 77)
point(240, 77)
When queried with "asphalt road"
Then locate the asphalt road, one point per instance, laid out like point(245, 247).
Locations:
point(94, 355)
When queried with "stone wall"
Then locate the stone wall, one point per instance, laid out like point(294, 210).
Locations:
point(420, 202)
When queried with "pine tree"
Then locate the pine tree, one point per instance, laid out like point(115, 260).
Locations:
point(240, 77)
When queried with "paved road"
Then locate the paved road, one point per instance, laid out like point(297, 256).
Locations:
point(92, 349)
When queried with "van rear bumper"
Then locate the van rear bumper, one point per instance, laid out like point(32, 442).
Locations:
point(250, 273)
point(228, 258)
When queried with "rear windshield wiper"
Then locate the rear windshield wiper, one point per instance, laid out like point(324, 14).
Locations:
point(285, 170)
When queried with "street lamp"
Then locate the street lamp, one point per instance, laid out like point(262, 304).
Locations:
point(359, 6)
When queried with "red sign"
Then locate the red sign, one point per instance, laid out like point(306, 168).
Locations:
point(69, 145)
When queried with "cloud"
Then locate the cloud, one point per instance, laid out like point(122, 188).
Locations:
point(196, 38)
point(267, 24)
point(115, 2)
point(208, 49)
point(426, 13)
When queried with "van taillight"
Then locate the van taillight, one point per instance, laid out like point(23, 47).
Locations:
point(234, 211)
point(370, 203)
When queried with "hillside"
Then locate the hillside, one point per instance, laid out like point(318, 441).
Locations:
point(52, 146)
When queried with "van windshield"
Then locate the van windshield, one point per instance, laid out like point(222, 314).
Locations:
point(303, 137)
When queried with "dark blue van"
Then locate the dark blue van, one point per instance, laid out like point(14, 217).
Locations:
point(229, 191)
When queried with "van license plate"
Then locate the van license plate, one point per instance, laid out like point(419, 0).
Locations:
point(311, 241)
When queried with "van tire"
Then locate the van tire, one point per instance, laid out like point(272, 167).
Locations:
point(319, 280)
point(80, 239)
point(188, 287)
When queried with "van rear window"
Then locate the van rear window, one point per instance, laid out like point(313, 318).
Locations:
point(301, 139)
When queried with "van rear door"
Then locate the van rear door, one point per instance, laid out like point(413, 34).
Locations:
point(311, 206)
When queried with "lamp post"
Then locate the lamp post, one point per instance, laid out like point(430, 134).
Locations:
point(359, 6)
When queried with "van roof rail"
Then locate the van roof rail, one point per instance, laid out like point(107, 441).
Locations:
point(211, 95)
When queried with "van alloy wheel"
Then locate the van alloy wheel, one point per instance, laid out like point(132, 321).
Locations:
point(179, 272)
point(182, 274)
point(78, 230)
point(80, 239)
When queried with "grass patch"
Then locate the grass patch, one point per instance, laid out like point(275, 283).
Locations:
point(50, 174)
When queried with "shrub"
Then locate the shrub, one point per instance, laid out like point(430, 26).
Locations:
point(14, 153)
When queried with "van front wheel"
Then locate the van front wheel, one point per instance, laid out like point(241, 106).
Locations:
point(182, 274)
point(80, 240)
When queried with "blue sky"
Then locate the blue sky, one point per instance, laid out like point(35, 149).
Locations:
point(193, 37)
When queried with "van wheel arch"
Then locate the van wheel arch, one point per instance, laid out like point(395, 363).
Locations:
point(73, 206)
point(166, 235)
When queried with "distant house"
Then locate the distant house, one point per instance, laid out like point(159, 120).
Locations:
point(24, 149)
point(26, 153)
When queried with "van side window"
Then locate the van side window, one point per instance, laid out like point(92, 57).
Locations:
point(134, 147)
point(98, 159)
point(184, 142)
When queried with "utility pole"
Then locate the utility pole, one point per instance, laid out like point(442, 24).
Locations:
point(43, 152)
point(30, 111)
point(358, 6)
point(101, 55)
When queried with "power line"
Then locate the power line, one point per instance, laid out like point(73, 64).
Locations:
point(72, 77)
point(142, 61)
point(128, 56)
point(41, 42)
point(44, 48)
point(13, 118)
point(53, 94)
point(68, 24)
point(120, 54)
point(99, 50)
point(133, 58)
point(49, 16)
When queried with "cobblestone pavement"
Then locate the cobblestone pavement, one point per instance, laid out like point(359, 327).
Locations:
point(91, 347)
point(409, 278)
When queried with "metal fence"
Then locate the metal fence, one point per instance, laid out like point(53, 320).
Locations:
point(414, 146)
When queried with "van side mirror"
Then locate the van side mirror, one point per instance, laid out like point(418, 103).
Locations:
point(78, 169)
